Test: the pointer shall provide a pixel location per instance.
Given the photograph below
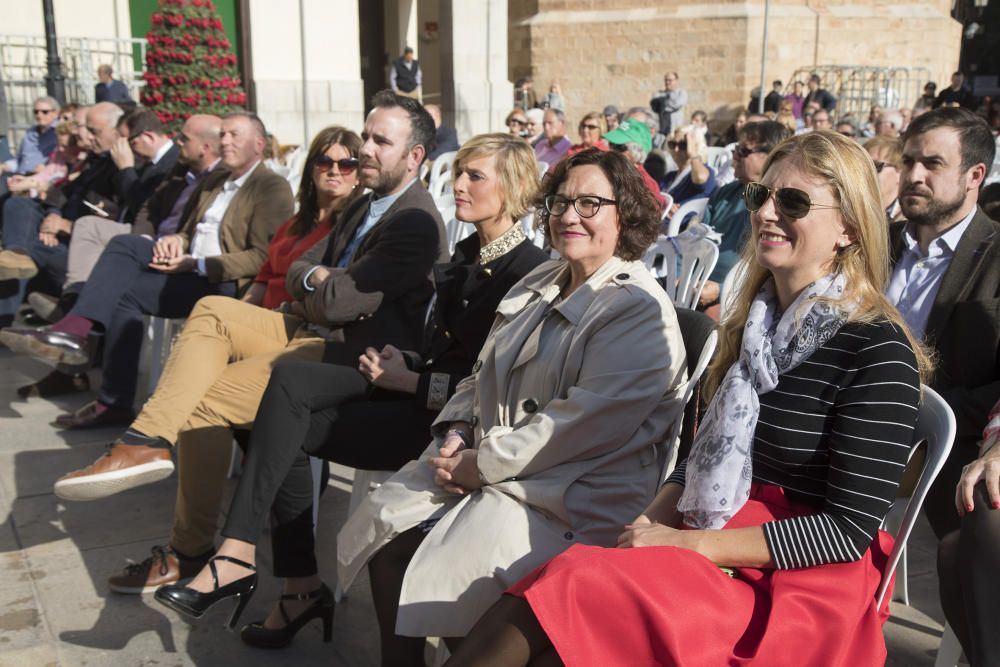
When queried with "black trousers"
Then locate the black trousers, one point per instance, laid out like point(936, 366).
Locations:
point(969, 577)
point(121, 289)
point(323, 410)
point(939, 506)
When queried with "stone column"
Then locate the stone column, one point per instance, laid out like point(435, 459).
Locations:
point(476, 94)
point(333, 66)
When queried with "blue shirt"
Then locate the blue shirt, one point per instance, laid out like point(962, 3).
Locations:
point(35, 148)
point(916, 277)
point(727, 214)
point(376, 209)
point(683, 189)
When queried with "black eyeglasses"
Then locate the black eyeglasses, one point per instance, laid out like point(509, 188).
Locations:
point(879, 166)
point(681, 145)
point(792, 202)
point(590, 127)
point(586, 206)
point(744, 152)
point(41, 111)
point(346, 166)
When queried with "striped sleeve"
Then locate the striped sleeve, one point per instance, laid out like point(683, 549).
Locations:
point(679, 475)
point(871, 429)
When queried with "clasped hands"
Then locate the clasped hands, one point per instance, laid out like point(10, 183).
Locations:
point(169, 257)
point(387, 369)
point(456, 470)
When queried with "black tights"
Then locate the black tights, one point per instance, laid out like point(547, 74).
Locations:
point(507, 635)
point(969, 576)
point(386, 570)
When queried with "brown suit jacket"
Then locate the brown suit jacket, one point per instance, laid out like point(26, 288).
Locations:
point(381, 296)
point(964, 326)
point(260, 206)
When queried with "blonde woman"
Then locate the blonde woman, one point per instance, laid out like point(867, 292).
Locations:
point(763, 547)
point(592, 129)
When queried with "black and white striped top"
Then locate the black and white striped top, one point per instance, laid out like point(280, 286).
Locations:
point(836, 433)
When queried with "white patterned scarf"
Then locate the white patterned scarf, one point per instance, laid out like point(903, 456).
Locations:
point(720, 468)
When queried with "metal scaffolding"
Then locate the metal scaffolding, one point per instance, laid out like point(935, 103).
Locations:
point(859, 87)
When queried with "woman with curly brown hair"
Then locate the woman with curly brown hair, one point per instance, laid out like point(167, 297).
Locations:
point(555, 437)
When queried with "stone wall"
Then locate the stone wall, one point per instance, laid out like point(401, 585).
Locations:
point(618, 56)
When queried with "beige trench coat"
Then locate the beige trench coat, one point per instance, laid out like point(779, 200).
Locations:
point(570, 404)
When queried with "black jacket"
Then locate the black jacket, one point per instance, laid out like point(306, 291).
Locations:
point(381, 297)
point(136, 185)
point(93, 185)
point(467, 298)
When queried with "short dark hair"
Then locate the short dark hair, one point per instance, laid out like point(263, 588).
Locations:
point(254, 119)
point(765, 134)
point(975, 138)
point(699, 114)
point(143, 120)
point(422, 129)
point(639, 217)
point(776, 82)
point(814, 77)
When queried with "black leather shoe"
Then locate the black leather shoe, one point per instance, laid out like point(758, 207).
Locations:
point(47, 345)
point(194, 603)
point(322, 607)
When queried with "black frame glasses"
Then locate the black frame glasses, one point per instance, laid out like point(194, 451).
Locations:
point(792, 202)
point(880, 165)
point(744, 152)
point(591, 204)
point(348, 165)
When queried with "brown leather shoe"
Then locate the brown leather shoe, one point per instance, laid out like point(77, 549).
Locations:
point(16, 266)
point(165, 566)
point(90, 417)
point(122, 467)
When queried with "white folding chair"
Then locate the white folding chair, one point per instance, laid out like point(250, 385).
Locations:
point(440, 182)
point(456, 230)
point(543, 167)
point(295, 162)
point(696, 206)
point(936, 427)
point(160, 335)
point(683, 264)
point(720, 159)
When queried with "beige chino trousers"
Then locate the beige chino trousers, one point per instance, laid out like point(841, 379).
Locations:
point(212, 382)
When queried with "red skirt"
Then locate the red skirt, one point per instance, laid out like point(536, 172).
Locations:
point(671, 606)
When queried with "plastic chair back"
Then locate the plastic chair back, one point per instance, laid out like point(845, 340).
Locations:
point(694, 206)
point(543, 168)
point(730, 285)
point(700, 340)
point(935, 426)
point(682, 264)
point(440, 182)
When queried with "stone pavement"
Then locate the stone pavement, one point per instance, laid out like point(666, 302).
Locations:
point(55, 608)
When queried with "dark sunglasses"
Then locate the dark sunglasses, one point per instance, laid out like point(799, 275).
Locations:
point(590, 127)
point(744, 152)
point(39, 111)
point(792, 202)
point(346, 166)
point(681, 145)
point(879, 166)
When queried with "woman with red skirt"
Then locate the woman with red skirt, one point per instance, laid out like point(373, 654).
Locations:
point(763, 547)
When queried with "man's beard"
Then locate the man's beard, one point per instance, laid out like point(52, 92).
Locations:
point(387, 181)
point(935, 212)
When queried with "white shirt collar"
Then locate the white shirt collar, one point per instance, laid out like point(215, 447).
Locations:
point(163, 151)
point(236, 184)
point(947, 242)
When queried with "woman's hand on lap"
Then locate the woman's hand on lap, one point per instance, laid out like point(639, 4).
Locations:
point(984, 469)
point(459, 472)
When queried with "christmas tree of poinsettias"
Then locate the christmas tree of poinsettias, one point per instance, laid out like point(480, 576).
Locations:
point(190, 67)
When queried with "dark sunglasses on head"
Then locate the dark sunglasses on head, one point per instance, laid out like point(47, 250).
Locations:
point(681, 145)
point(744, 152)
point(346, 166)
point(792, 202)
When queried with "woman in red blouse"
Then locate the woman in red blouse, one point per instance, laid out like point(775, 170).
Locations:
point(329, 183)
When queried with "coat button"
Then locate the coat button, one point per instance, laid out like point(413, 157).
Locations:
point(484, 274)
point(476, 366)
point(529, 405)
point(475, 420)
point(622, 276)
point(568, 535)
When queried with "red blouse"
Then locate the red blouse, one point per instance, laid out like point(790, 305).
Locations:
point(281, 252)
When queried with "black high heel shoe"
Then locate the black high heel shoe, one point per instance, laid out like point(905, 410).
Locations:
point(257, 635)
point(194, 603)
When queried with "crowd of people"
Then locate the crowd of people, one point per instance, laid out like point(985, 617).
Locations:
point(525, 401)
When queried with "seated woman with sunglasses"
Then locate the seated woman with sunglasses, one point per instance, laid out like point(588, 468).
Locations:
point(219, 365)
point(553, 439)
point(693, 178)
point(762, 548)
point(309, 409)
point(592, 128)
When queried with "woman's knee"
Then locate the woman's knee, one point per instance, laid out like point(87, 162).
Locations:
point(947, 556)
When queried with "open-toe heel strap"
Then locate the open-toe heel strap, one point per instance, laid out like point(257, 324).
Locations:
point(311, 595)
point(237, 561)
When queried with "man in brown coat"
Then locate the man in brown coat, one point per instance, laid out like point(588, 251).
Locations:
point(219, 248)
